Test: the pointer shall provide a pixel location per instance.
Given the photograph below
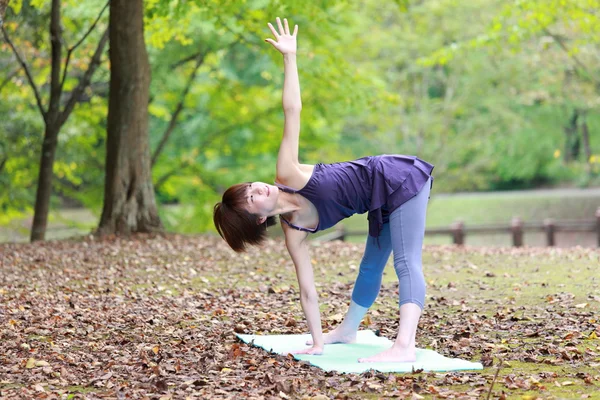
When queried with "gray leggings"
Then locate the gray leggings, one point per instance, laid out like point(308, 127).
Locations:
point(404, 235)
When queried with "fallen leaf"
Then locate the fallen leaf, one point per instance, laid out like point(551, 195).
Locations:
point(335, 317)
point(123, 329)
point(367, 320)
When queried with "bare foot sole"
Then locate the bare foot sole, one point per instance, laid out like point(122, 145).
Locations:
point(392, 355)
point(336, 337)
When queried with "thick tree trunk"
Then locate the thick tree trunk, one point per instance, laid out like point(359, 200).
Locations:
point(129, 204)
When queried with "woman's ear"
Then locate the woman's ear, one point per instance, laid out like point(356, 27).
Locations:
point(260, 220)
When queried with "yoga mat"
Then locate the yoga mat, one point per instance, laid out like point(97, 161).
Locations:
point(344, 357)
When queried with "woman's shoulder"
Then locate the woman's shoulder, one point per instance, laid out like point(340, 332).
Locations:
point(297, 177)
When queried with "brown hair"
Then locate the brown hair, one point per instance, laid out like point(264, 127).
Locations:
point(235, 224)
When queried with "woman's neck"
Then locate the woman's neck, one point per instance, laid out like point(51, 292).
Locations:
point(287, 203)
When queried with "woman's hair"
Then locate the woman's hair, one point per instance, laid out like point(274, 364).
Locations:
point(235, 224)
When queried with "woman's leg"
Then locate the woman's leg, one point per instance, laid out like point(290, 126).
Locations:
point(407, 225)
point(366, 288)
point(370, 273)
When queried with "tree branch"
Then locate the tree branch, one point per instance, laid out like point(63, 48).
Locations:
point(187, 59)
point(564, 47)
point(163, 141)
point(27, 73)
point(85, 79)
point(91, 27)
point(3, 163)
point(199, 57)
point(196, 55)
point(165, 177)
point(219, 132)
point(72, 49)
point(184, 164)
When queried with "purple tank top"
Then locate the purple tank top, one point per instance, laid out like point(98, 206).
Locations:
point(375, 184)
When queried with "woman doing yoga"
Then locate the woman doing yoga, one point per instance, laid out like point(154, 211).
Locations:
point(393, 189)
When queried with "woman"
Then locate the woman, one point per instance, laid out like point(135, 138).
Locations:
point(308, 198)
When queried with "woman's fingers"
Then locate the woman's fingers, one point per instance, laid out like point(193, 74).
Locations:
point(271, 41)
point(286, 26)
point(273, 31)
point(281, 30)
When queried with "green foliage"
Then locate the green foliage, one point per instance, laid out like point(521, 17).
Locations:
point(484, 90)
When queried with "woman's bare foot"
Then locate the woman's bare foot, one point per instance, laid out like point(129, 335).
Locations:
point(393, 354)
point(337, 336)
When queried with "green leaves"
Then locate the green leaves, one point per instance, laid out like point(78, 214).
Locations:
point(469, 86)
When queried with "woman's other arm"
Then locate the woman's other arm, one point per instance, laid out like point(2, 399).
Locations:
point(297, 246)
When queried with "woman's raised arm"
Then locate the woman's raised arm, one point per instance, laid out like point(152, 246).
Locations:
point(285, 43)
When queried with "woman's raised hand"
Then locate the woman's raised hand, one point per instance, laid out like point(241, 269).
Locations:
point(286, 42)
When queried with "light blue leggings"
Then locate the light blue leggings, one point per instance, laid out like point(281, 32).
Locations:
point(404, 235)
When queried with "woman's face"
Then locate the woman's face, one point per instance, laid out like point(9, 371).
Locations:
point(261, 198)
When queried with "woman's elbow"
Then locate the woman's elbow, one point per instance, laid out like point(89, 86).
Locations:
point(293, 109)
point(309, 295)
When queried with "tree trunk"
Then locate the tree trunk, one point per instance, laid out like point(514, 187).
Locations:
point(129, 204)
point(585, 136)
point(44, 187)
point(572, 143)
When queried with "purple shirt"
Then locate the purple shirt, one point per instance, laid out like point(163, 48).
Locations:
point(375, 184)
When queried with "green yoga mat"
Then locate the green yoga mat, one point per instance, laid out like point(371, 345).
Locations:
point(343, 357)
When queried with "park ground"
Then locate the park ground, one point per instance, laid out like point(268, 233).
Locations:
point(156, 316)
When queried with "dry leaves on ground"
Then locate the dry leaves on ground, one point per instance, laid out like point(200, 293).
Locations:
point(156, 316)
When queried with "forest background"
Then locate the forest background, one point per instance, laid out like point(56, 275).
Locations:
point(498, 95)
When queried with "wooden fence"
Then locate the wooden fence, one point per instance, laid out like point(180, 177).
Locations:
point(516, 229)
